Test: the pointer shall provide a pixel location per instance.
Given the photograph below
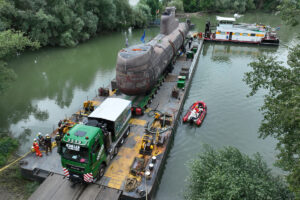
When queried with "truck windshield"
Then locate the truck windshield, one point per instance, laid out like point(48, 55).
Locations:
point(75, 152)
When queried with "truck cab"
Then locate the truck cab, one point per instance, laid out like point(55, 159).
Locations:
point(88, 148)
point(82, 153)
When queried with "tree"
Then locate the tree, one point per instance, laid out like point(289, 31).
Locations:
point(230, 174)
point(141, 15)
point(11, 42)
point(154, 5)
point(8, 146)
point(290, 11)
point(281, 109)
point(67, 22)
point(177, 3)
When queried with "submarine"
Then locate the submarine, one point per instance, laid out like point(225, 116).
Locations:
point(139, 67)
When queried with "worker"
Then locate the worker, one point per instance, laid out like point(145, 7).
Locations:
point(37, 148)
point(41, 139)
point(58, 140)
point(48, 144)
point(197, 109)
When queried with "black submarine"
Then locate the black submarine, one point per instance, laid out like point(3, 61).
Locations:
point(140, 66)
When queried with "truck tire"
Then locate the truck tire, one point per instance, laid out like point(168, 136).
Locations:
point(127, 133)
point(101, 171)
point(116, 150)
point(121, 141)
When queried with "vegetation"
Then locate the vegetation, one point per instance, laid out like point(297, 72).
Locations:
point(229, 174)
point(8, 146)
point(11, 182)
point(177, 3)
point(281, 109)
point(11, 42)
point(239, 6)
point(34, 23)
point(68, 22)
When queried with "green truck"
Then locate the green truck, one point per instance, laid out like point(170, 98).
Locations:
point(87, 148)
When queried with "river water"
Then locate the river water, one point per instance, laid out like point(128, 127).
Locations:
point(53, 83)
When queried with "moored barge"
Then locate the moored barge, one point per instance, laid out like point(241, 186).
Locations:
point(133, 172)
point(229, 31)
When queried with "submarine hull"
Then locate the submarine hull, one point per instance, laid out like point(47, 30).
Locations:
point(140, 66)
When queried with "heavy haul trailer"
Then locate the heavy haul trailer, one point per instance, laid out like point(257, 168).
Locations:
point(140, 103)
point(88, 148)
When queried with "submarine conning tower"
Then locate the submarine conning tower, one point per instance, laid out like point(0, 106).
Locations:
point(140, 66)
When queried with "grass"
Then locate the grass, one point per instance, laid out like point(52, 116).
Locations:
point(12, 184)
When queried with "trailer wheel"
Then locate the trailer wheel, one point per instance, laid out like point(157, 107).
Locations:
point(116, 150)
point(127, 133)
point(121, 142)
point(101, 171)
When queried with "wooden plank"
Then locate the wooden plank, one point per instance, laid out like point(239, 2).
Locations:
point(108, 193)
point(91, 192)
point(68, 192)
point(49, 187)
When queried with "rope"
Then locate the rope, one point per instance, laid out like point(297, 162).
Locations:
point(7, 166)
point(130, 184)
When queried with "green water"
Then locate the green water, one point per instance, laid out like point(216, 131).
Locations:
point(53, 83)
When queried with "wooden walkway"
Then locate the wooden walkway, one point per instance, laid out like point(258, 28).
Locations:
point(57, 187)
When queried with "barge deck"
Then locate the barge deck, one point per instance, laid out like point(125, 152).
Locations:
point(113, 184)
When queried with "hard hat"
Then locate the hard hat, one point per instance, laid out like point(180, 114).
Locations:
point(39, 133)
point(47, 135)
point(34, 140)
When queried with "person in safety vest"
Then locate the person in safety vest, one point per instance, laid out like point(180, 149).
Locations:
point(40, 139)
point(48, 144)
point(36, 148)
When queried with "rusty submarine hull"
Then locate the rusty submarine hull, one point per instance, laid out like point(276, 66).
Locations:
point(140, 66)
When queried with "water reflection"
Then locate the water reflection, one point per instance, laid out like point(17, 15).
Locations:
point(224, 52)
point(52, 83)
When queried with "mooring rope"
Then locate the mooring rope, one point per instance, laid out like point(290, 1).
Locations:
point(7, 166)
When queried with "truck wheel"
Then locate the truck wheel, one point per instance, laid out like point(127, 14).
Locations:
point(116, 150)
point(127, 133)
point(101, 171)
point(122, 141)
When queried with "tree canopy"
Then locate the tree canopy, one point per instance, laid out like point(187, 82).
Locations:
point(68, 22)
point(281, 109)
point(11, 42)
point(239, 6)
point(230, 174)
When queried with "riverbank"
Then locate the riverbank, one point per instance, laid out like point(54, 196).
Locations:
point(12, 184)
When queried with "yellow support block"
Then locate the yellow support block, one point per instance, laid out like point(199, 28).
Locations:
point(137, 122)
point(148, 110)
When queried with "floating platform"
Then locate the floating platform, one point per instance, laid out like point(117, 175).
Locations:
point(112, 185)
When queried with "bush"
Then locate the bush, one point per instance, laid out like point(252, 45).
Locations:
point(8, 146)
point(230, 174)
